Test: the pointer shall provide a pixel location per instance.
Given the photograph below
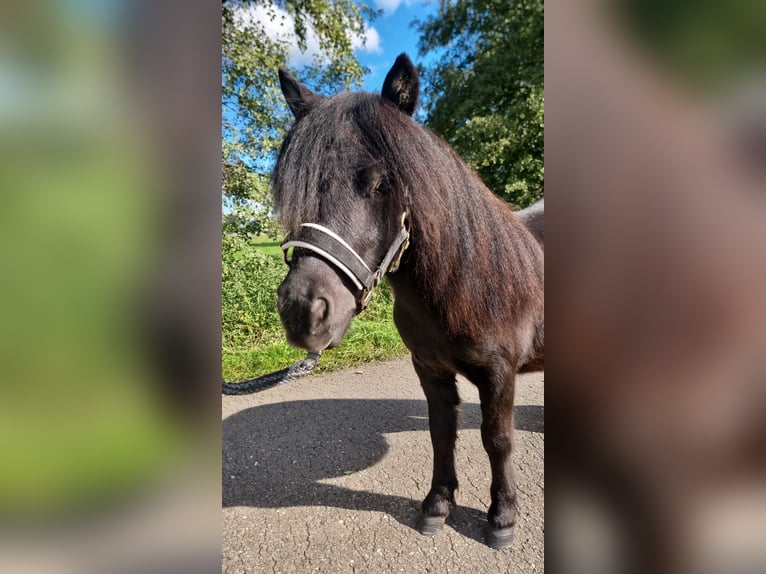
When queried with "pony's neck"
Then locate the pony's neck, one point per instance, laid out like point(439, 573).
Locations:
point(471, 260)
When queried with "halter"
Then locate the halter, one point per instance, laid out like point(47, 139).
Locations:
point(334, 249)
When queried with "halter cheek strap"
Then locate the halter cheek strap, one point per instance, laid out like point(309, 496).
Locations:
point(336, 251)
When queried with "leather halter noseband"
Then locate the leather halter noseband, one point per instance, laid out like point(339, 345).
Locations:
point(333, 248)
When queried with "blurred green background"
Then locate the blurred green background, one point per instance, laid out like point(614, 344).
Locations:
point(84, 420)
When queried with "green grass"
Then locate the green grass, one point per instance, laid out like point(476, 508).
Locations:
point(253, 340)
point(268, 246)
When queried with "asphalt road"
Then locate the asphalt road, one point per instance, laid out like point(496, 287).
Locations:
point(326, 474)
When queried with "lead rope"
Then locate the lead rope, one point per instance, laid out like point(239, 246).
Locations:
point(299, 369)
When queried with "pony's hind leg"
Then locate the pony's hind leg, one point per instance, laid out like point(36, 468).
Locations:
point(497, 436)
point(443, 401)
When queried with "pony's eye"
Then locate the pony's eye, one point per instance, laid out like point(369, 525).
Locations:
point(370, 182)
point(379, 188)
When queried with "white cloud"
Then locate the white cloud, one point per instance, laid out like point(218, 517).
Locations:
point(280, 26)
point(373, 43)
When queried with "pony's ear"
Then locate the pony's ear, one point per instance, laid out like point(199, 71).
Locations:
point(299, 98)
point(401, 85)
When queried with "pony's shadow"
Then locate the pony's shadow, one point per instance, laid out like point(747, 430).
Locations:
point(277, 455)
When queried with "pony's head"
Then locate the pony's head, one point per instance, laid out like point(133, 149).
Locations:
point(336, 172)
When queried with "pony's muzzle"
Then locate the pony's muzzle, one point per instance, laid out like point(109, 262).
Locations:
point(305, 320)
point(315, 305)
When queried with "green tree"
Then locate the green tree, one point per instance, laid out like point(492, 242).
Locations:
point(485, 89)
point(254, 113)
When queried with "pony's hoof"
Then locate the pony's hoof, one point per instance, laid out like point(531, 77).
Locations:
point(430, 525)
point(499, 538)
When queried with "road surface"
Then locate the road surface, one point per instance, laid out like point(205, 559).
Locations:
point(326, 474)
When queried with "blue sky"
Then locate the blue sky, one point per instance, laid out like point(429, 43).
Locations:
point(395, 36)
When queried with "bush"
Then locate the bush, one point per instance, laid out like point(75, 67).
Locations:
point(249, 293)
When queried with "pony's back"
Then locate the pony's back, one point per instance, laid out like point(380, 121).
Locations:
point(533, 217)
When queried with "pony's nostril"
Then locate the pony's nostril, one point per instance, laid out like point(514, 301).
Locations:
point(320, 308)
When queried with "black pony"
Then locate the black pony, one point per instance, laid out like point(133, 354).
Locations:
point(381, 193)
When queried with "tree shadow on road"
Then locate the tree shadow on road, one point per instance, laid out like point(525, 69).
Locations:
point(277, 455)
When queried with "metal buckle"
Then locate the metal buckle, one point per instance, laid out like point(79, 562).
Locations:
point(366, 298)
point(367, 293)
point(398, 259)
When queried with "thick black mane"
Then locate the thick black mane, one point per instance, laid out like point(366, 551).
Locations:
point(471, 255)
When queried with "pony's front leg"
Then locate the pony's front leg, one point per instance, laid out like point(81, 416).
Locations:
point(497, 437)
point(443, 401)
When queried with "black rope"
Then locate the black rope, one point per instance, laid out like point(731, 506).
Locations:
point(299, 369)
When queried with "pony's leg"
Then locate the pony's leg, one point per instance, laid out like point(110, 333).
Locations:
point(496, 435)
point(443, 400)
